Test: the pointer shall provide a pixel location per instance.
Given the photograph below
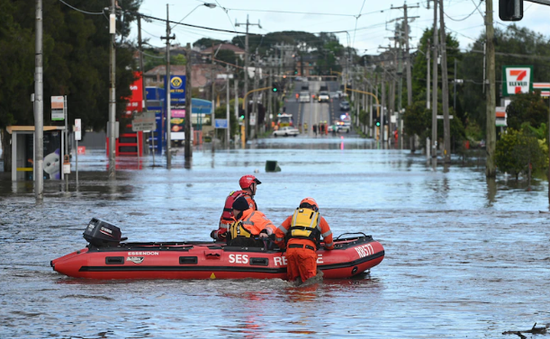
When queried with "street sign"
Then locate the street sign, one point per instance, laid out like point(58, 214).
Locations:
point(442, 117)
point(58, 108)
point(252, 120)
point(221, 123)
point(144, 122)
point(78, 129)
point(500, 118)
point(543, 87)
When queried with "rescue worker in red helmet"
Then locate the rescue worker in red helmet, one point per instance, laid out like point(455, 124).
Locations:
point(249, 225)
point(301, 233)
point(248, 185)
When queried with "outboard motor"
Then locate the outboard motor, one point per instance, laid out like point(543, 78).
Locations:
point(100, 233)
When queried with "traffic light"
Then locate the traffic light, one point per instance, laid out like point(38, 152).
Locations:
point(295, 71)
point(275, 88)
point(377, 122)
point(510, 10)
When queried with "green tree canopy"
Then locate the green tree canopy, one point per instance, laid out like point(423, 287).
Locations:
point(526, 108)
point(513, 46)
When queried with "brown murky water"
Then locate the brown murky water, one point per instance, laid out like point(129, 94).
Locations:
point(464, 258)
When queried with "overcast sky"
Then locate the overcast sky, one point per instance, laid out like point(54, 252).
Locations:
point(366, 31)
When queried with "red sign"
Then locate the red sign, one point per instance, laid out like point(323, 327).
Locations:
point(135, 101)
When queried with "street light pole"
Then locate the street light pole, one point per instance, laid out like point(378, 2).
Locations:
point(246, 57)
point(168, 90)
point(188, 113)
point(112, 93)
point(38, 109)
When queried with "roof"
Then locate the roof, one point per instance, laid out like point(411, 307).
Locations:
point(12, 129)
point(230, 47)
point(201, 73)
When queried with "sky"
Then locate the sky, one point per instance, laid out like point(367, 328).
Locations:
point(368, 23)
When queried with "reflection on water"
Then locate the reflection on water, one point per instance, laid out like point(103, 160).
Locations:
point(465, 257)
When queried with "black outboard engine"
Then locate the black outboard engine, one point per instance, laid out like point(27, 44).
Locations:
point(100, 233)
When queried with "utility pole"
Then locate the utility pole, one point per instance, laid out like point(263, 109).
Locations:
point(434, 87)
point(38, 109)
point(246, 57)
point(112, 94)
point(255, 96)
point(227, 83)
point(454, 83)
point(143, 87)
point(490, 169)
point(428, 53)
point(382, 113)
point(270, 95)
point(188, 150)
point(213, 79)
point(236, 84)
point(407, 53)
point(168, 90)
point(444, 87)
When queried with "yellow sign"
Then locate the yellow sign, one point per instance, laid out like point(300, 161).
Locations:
point(176, 82)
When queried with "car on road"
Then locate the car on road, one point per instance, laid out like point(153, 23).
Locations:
point(344, 106)
point(324, 97)
point(304, 96)
point(285, 132)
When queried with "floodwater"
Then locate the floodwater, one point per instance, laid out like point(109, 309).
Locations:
point(464, 258)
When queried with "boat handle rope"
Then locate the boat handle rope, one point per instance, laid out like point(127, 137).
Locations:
point(352, 233)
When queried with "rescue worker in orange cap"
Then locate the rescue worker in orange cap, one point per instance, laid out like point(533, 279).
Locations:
point(248, 185)
point(249, 224)
point(302, 233)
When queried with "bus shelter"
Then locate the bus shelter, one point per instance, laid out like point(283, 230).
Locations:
point(23, 154)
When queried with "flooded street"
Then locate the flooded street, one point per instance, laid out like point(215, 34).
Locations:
point(464, 258)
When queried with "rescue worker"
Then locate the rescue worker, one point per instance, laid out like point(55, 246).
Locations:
point(248, 185)
point(249, 224)
point(301, 232)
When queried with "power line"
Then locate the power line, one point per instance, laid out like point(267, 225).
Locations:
point(287, 12)
point(466, 17)
point(189, 25)
point(80, 10)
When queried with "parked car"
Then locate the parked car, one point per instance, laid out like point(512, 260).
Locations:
point(344, 106)
point(286, 131)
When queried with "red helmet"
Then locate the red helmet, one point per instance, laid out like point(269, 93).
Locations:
point(309, 203)
point(248, 180)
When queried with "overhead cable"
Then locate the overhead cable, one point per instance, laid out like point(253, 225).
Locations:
point(80, 10)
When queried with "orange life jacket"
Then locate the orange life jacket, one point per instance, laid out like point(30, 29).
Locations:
point(227, 214)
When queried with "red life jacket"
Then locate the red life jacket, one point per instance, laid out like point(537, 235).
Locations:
point(227, 215)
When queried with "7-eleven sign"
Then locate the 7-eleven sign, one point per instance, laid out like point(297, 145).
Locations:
point(517, 79)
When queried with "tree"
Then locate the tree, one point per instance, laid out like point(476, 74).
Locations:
point(420, 64)
point(203, 43)
point(226, 55)
point(513, 46)
point(526, 108)
point(418, 120)
point(519, 151)
point(75, 61)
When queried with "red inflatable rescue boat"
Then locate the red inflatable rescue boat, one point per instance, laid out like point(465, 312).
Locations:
point(106, 257)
